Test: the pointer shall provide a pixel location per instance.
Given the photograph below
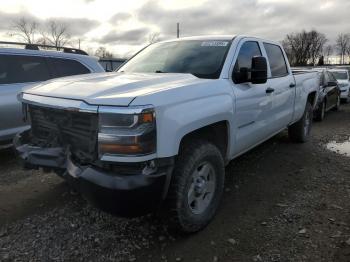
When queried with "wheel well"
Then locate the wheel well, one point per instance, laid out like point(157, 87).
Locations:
point(216, 133)
point(312, 98)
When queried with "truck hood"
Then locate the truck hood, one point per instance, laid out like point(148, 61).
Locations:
point(118, 89)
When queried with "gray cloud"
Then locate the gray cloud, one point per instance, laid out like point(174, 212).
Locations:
point(7, 20)
point(131, 37)
point(76, 26)
point(119, 17)
point(272, 20)
point(267, 19)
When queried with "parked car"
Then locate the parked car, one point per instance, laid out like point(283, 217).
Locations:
point(329, 94)
point(342, 77)
point(21, 68)
point(111, 64)
point(159, 132)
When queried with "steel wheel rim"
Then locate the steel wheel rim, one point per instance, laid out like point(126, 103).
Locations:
point(202, 188)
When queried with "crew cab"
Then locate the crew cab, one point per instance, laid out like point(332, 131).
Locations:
point(157, 134)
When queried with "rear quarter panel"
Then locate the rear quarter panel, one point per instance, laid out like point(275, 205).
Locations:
point(306, 83)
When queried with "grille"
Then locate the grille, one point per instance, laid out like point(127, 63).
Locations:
point(75, 131)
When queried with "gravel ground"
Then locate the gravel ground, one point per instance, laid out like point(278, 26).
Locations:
point(283, 202)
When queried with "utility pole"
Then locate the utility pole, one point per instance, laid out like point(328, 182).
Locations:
point(178, 29)
point(79, 42)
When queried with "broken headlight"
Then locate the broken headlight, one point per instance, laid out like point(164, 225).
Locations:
point(127, 131)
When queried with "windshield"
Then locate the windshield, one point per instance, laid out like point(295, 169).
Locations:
point(340, 75)
point(203, 59)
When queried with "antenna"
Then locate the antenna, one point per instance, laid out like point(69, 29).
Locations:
point(178, 29)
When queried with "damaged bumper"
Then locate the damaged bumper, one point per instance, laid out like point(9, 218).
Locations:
point(122, 194)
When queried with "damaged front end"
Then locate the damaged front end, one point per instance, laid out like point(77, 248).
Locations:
point(54, 134)
point(64, 138)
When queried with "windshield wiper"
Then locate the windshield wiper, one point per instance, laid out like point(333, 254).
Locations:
point(160, 71)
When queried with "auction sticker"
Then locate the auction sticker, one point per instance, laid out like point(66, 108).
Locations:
point(214, 43)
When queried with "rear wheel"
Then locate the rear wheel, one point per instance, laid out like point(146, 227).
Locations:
point(300, 131)
point(196, 187)
point(320, 112)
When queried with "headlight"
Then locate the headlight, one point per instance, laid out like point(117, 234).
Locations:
point(127, 131)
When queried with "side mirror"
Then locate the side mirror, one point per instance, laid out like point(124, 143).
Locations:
point(242, 76)
point(332, 83)
point(259, 70)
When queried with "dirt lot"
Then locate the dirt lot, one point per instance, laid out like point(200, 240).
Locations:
point(283, 202)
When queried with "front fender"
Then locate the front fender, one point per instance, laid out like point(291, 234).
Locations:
point(178, 120)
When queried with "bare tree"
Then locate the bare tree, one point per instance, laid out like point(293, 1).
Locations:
point(56, 33)
point(102, 52)
point(343, 44)
point(26, 29)
point(317, 42)
point(153, 38)
point(328, 52)
point(304, 47)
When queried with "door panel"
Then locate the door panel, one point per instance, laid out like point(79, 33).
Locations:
point(17, 72)
point(253, 107)
point(11, 120)
point(283, 102)
point(332, 91)
point(282, 82)
point(253, 104)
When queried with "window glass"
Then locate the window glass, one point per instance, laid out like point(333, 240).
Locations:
point(22, 69)
point(278, 64)
point(68, 67)
point(244, 60)
point(203, 59)
point(331, 77)
point(340, 75)
point(326, 78)
point(322, 80)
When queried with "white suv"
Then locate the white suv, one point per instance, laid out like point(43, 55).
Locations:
point(342, 76)
point(22, 68)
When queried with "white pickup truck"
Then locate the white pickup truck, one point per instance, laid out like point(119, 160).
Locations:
point(160, 130)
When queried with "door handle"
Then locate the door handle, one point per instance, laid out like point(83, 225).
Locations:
point(292, 85)
point(270, 90)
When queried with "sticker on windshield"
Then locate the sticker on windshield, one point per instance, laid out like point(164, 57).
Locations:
point(214, 43)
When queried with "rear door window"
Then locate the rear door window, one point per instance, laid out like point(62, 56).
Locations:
point(326, 79)
point(277, 61)
point(23, 69)
point(67, 67)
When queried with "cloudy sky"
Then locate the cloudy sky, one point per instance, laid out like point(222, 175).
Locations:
point(124, 26)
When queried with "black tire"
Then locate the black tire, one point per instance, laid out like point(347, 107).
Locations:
point(299, 132)
point(337, 105)
point(179, 213)
point(320, 112)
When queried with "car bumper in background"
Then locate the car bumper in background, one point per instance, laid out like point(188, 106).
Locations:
point(345, 94)
point(121, 194)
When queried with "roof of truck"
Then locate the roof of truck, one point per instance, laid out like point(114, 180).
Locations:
point(220, 38)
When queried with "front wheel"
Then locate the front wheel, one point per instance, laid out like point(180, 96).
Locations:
point(320, 112)
point(337, 104)
point(196, 188)
point(299, 132)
